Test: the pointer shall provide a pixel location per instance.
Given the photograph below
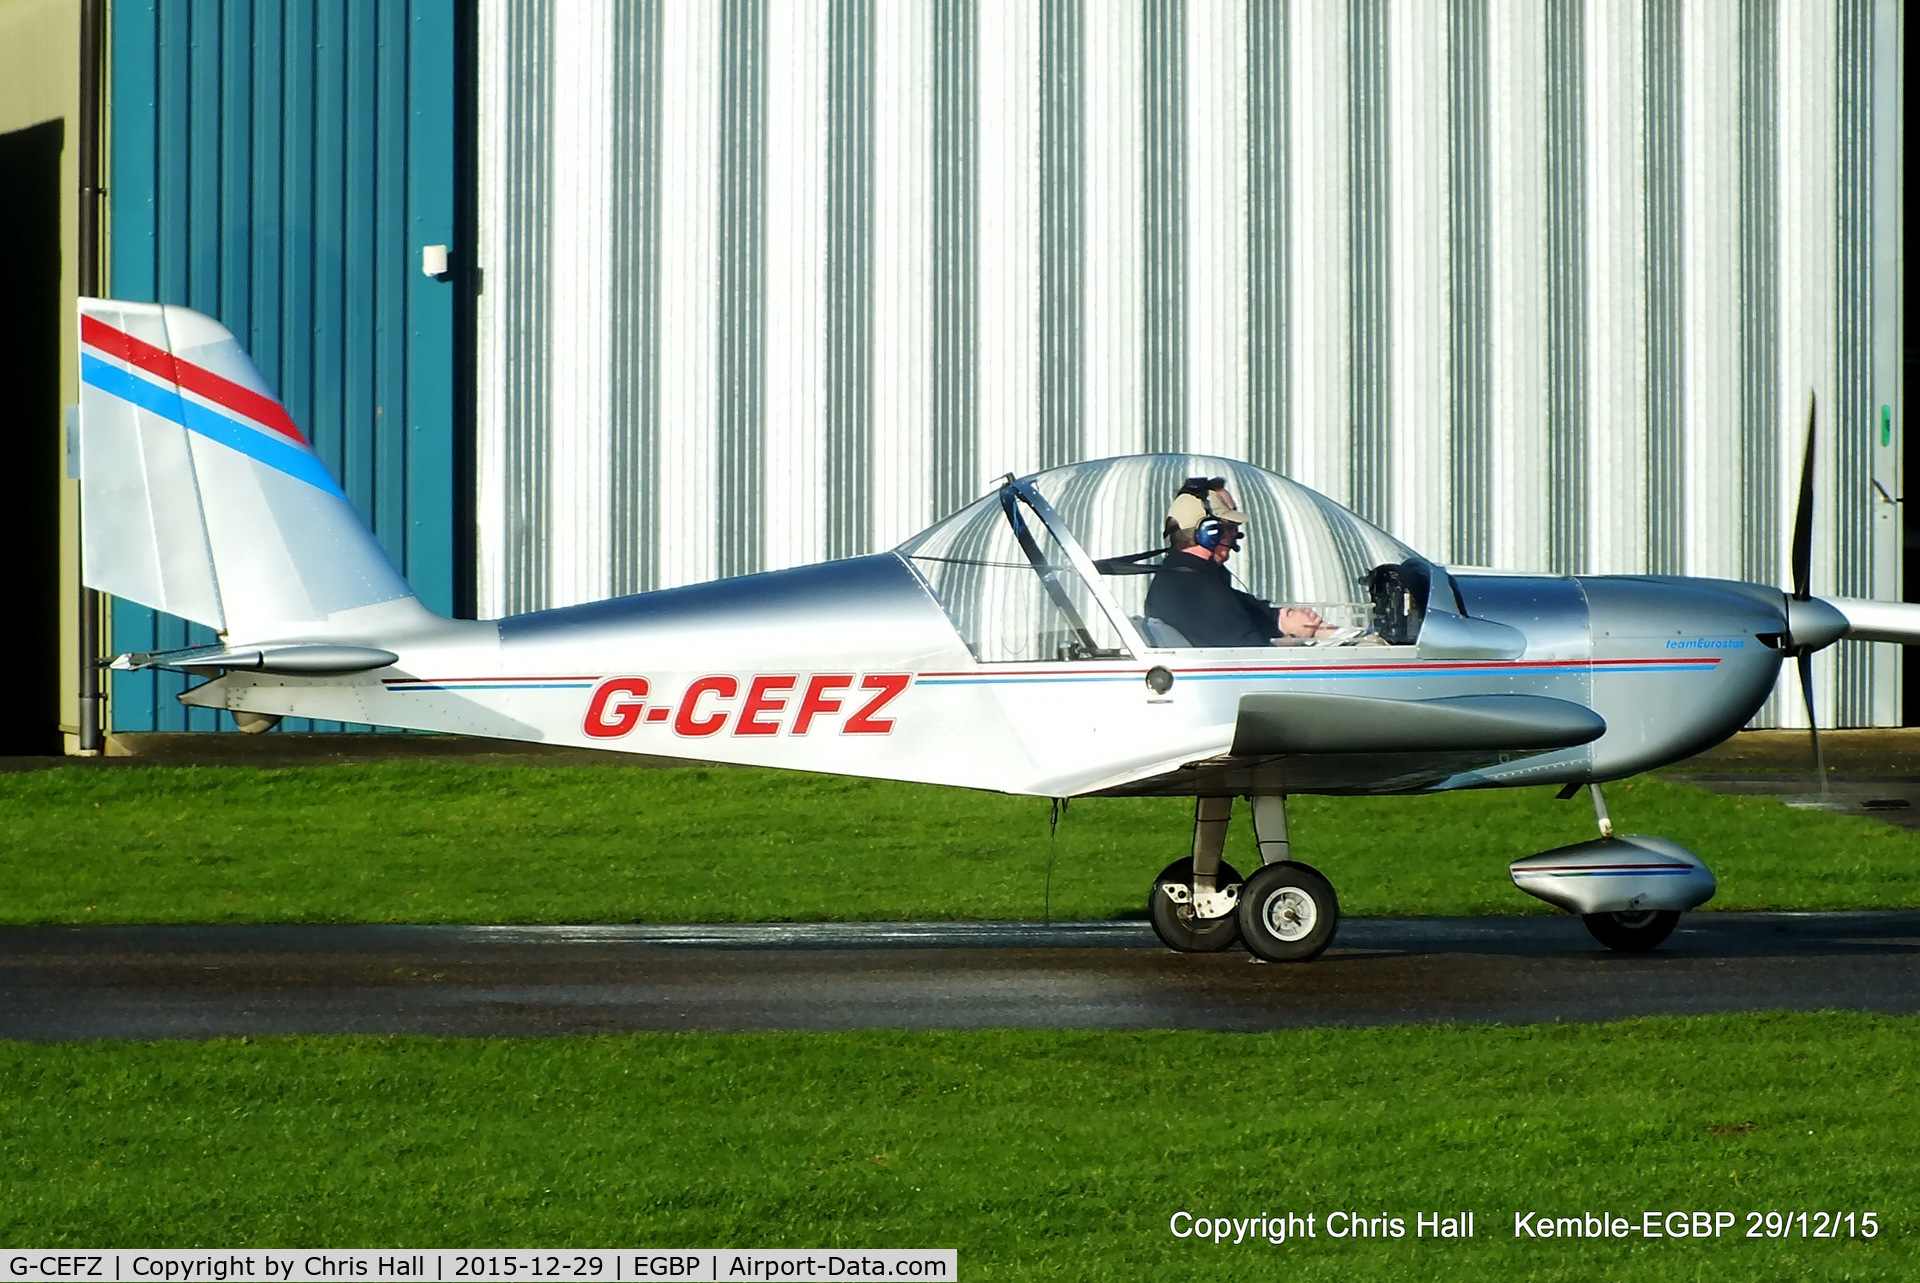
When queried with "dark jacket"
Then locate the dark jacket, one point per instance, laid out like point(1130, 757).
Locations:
point(1198, 598)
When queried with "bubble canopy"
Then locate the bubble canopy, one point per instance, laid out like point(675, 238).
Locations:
point(1038, 569)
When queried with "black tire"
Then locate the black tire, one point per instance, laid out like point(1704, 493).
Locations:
point(1632, 932)
point(1175, 924)
point(1288, 912)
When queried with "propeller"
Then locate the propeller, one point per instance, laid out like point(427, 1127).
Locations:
point(1802, 569)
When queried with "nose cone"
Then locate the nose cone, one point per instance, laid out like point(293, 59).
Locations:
point(1813, 624)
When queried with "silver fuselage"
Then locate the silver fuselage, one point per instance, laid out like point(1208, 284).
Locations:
point(852, 667)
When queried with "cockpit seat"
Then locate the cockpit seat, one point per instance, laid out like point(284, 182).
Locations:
point(1158, 632)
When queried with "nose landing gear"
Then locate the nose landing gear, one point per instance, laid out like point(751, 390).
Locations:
point(1631, 932)
point(1628, 888)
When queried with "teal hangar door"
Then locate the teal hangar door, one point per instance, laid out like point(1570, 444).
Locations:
point(280, 165)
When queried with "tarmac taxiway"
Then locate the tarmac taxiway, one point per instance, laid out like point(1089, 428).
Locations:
point(131, 982)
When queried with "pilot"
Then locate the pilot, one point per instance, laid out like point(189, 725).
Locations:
point(1193, 592)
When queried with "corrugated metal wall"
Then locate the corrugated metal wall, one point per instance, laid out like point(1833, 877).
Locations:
point(1532, 285)
point(278, 164)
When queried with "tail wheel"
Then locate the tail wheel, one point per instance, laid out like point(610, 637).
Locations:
point(1288, 912)
point(1631, 932)
point(1170, 909)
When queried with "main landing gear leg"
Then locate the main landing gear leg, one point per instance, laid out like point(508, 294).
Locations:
point(1288, 911)
point(1192, 902)
point(1270, 829)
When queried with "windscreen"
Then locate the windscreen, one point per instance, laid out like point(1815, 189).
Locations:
point(1009, 587)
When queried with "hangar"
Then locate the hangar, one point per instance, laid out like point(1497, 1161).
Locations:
point(587, 298)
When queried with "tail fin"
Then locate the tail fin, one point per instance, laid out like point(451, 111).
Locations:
point(199, 496)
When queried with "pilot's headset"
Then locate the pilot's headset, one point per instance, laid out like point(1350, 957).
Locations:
point(1211, 531)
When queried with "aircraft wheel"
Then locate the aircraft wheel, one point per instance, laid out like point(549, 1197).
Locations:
point(1632, 932)
point(1288, 912)
point(1176, 924)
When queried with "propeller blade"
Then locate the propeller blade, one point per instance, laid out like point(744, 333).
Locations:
point(1805, 659)
point(1803, 522)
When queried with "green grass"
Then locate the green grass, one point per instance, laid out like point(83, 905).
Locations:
point(437, 842)
point(1038, 1155)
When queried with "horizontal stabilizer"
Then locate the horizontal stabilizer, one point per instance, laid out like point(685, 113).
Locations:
point(1281, 722)
point(297, 660)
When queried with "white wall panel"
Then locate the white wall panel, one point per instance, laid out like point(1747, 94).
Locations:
point(901, 255)
point(689, 363)
point(1711, 198)
point(1114, 204)
point(1321, 324)
point(1516, 218)
point(1616, 383)
point(1216, 104)
point(494, 343)
point(796, 357)
point(1420, 241)
point(1008, 392)
point(580, 556)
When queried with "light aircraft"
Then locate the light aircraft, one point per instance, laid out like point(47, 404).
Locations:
point(1005, 648)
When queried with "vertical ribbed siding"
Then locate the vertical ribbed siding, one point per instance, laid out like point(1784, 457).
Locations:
point(849, 266)
point(1566, 286)
point(1369, 378)
point(1759, 294)
point(634, 446)
point(1665, 294)
point(1074, 251)
point(1062, 433)
point(1853, 417)
point(1269, 238)
point(741, 250)
point(1468, 370)
point(277, 167)
point(1164, 227)
point(524, 273)
point(955, 434)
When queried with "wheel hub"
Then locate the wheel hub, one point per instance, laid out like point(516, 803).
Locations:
point(1290, 914)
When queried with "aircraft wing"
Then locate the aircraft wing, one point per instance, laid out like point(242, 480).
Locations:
point(1300, 741)
point(1313, 722)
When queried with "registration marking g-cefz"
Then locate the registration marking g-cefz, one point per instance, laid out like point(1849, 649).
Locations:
point(617, 706)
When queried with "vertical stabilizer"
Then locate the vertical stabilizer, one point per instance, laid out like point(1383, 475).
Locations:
point(199, 495)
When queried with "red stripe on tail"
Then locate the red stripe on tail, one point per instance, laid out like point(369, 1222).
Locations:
point(191, 377)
